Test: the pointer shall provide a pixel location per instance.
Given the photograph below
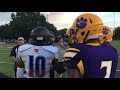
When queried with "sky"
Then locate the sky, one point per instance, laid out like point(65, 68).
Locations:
point(65, 19)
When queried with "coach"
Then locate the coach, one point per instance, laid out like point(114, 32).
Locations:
point(14, 52)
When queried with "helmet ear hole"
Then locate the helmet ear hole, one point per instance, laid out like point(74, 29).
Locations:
point(82, 33)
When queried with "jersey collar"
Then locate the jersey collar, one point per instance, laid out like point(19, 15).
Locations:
point(93, 44)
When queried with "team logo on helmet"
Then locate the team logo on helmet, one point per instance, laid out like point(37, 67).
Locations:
point(81, 23)
point(72, 32)
point(105, 31)
point(36, 50)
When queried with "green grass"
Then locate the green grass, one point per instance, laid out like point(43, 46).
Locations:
point(7, 68)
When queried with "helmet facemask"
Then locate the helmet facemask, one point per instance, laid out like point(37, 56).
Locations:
point(70, 34)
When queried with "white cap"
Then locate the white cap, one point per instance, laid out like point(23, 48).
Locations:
point(20, 38)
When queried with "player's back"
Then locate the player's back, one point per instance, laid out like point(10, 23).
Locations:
point(37, 59)
point(102, 61)
point(96, 61)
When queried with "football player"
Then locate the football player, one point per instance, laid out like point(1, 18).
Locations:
point(88, 58)
point(107, 35)
point(38, 57)
point(70, 36)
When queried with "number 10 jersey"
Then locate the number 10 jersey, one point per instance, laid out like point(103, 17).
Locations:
point(37, 59)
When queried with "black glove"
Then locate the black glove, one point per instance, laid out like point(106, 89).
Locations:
point(59, 67)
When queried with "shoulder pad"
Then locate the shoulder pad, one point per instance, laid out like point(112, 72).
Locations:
point(51, 49)
point(24, 47)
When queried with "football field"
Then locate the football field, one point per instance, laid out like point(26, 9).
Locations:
point(6, 65)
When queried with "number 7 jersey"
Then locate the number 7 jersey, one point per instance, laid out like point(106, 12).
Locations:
point(37, 59)
point(92, 61)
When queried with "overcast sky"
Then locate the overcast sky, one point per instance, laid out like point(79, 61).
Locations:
point(65, 19)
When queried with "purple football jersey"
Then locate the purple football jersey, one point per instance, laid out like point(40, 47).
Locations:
point(98, 61)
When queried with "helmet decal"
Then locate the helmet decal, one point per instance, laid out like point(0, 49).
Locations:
point(105, 31)
point(81, 23)
point(72, 32)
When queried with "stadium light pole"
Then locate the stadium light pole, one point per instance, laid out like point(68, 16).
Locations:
point(47, 15)
point(114, 24)
point(114, 20)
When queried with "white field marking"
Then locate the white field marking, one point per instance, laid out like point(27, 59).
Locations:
point(3, 53)
point(118, 70)
point(6, 63)
point(4, 57)
point(9, 47)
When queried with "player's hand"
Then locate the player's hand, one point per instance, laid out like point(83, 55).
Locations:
point(58, 67)
point(20, 63)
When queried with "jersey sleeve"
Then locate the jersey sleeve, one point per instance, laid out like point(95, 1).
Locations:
point(72, 58)
point(53, 50)
point(56, 53)
point(20, 53)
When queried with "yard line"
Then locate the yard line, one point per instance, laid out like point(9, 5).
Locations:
point(4, 57)
point(9, 47)
point(6, 63)
point(118, 70)
point(4, 53)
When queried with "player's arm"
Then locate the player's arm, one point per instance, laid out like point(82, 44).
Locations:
point(13, 58)
point(59, 67)
point(20, 68)
point(71, 60)
point(73, 73)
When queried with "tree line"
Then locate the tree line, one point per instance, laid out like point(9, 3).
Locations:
point(22, 23)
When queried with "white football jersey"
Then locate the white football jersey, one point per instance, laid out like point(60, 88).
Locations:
point(37, 59)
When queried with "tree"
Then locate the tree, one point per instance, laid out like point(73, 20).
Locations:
point(12, 16)
point(22, 23)
point(4, 31)
point(116, 35)
point(62, 31)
